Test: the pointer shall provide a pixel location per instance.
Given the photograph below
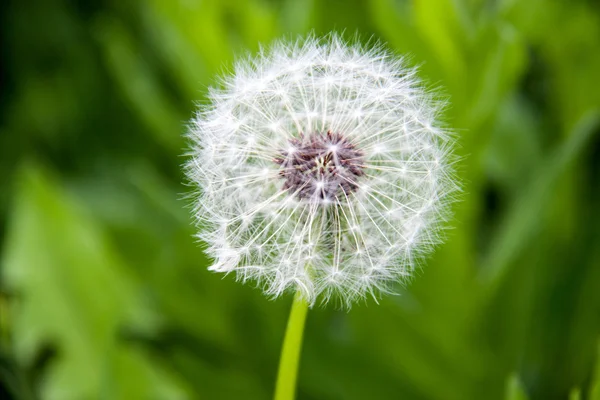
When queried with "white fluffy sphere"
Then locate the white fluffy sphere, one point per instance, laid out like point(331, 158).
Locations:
point(320, 168)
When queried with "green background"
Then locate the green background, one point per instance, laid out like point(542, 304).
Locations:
point(104, 293)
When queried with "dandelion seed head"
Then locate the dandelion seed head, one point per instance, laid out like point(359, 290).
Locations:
point(320, 168)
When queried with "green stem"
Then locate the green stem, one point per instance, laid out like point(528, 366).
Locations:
point(285, 388)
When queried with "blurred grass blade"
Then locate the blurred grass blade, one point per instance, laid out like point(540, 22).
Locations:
point(297, 16)
point(74, 297)
point(140, 85)
point(439, 23)
point(514, 389)
point(503, 64)
point(595, 384)
point(522, 222)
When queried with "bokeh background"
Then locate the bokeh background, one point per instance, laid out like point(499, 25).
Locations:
point(104, 293)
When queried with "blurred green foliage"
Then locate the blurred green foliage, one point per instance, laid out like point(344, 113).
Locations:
point(105, 295)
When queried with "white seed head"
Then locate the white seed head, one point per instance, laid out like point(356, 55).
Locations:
point(320, 168)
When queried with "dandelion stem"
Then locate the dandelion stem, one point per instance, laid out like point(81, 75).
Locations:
point(285, 388)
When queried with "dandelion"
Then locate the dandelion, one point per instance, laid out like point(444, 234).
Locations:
point(322, 171)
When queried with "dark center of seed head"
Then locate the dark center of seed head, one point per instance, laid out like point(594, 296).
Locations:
point(321, 167)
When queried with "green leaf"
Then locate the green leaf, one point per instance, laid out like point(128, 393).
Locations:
point(503, 55)
point(74, 295)
point(514, 389)
point(595, 384)
point(140, 84)
point(440, 24)
point(522, 221)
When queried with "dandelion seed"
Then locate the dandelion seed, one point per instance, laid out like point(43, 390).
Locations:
point(321, 169)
